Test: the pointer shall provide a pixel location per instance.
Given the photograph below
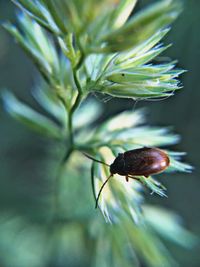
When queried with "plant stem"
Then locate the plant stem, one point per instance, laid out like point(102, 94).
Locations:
point(71, 142)
point(74, 107)
point(67, 155)
point(70, 127)
point(58, 182)
point(80, 93)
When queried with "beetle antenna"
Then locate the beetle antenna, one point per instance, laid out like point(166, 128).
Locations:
point(97, 200)
point(90, 157)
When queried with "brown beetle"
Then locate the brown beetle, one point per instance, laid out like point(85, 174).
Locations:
point(137, 162)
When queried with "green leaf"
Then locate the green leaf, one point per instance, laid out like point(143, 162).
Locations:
point(176, 165)
point(121, 13)
point(49, 102)
point(123, 131)
point(124, 91)
point(54, 67)
point(134, 77)
point(88, 112)
point(121, 122)
point(140, 77)
point(142, 26)
point(30, 117)
point(38, 12)
point(153, 185)
point(144, 58)
point(55, 10)
point(148, 246)
point(168, 225)
point(142, 48)
point(147, 136)
point(29, 45)
point(96, 65)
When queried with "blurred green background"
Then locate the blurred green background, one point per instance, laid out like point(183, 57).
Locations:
point(25, 157)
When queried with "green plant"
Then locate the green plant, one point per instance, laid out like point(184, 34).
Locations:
point(82, 48)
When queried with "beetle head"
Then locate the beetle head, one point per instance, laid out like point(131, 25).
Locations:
point(118, 165)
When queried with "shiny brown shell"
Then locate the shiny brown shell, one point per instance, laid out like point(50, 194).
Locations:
point(140, 162)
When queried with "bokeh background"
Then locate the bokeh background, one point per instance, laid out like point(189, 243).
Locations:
point(25, 157)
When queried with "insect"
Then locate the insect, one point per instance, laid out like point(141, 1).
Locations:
point(137, 162)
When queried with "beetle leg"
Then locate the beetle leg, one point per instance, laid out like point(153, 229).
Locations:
point(133, 177)
point(127, 178)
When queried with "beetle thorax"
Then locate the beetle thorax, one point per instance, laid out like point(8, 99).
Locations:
point(118, 166)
